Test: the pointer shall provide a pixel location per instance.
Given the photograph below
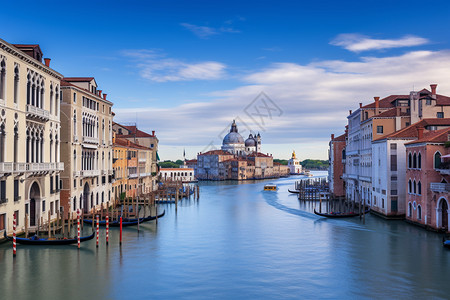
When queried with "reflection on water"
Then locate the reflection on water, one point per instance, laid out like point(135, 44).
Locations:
point(238, 241)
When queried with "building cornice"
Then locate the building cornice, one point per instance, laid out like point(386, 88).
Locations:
point(25, 57)
point(87, 93)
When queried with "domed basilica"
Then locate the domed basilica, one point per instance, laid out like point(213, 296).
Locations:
point(234, 143)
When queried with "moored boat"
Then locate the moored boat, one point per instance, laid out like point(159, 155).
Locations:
point(35, 240)
point(125, 222)
point(293, 192)
point(341, 215)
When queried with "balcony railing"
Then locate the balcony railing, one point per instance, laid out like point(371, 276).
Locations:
point(60, 166)
point(76, 173)
point(36, 112)
point(440, 187)
point(75, 138)
point(142, 160)
point(133, 175)
point(90, 173)
point(6, 167)
point(90, 140)
point(20, 167)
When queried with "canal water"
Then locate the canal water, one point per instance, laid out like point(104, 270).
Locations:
point(237, 242)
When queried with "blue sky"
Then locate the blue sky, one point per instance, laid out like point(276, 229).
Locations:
point(187, 68)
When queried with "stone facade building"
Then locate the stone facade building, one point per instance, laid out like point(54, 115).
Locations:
point(29, 137)
point(86, 148)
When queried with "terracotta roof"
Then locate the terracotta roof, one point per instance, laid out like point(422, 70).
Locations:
point(134, 132)
point(191, 161)
point(340, 138)
point(124, 142)
point(435, 136)
point(411, 131)
point(259, 154)
point(216, 152)
point(391, 113)
point(387, 102)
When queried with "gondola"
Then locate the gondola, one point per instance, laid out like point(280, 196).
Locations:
point(35, 240)
point(446, 241)
point(293, 192)
point(340, 215)
point(125, 222)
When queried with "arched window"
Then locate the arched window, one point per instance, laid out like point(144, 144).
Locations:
point(419, 212)
point(74, 122)
point(419, 188)
point(2, 79)
point(419, 161)
point(16, 84)
point(437, 160)
point(2, 143)
point(410, 160)
point(96, 202)
point(409, 209)
point(409, 186)
point(415, 161)
point(414, 186)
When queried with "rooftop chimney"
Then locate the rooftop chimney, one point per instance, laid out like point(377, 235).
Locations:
point(153, 132)
point(349, 111)
point(47, 62)
point(377, 104)
point(420, 132)
point(332, 136)
point(433, 90)
point(104, 96)
point(360, 104)
point(100, 93)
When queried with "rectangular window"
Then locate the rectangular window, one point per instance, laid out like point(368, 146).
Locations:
point(379, 129)
point(3, 191)
point(393, 178)
point(407, 124)
point(43, 205)
point(16, 190)
point(26, 209)
point(51, 184)
point(440, 115)
point(52, 211)
point(382, 202)
point(394, 192)
point(393, 146)
point(74, 97)
point(393, 162)
point(428, 102)
point(74, 183)
point(56, 183)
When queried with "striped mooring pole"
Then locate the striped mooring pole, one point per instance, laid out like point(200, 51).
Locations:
point(107, 229)
point(14, 235)
point(97, 230)
point(78, 227)
point(120, 242)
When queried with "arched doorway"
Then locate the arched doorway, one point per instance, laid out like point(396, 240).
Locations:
point(442, 214)
point(35, 196)
point(86, 198)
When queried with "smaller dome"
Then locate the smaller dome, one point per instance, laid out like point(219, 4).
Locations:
point(250, 142)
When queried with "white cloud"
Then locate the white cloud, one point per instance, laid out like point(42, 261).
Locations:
point(358, 43)
point(315, 99)
point(203, 32)
point(156, 67)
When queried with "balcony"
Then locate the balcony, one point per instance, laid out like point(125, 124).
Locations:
point(142, 160)
point(76, 173)
point(6, 167)
point(20, 167)
point(90, 173)
point(440, 187)
point(104, 172)
point(60, 166)
point(43, 167)
point(133, 175)
point(37, 113)
point(90, 140)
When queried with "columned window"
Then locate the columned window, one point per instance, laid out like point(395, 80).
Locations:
point(2, 79)
point(437, 160)
point(16, 84)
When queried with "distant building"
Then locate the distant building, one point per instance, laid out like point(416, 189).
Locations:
point(294, 164)
point(237, 160)
point(177, 174)
point(337, 165)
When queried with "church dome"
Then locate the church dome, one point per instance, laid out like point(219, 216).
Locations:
point(250, 142)
point(233, 137)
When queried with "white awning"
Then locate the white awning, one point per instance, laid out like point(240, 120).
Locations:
point(445, 156)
